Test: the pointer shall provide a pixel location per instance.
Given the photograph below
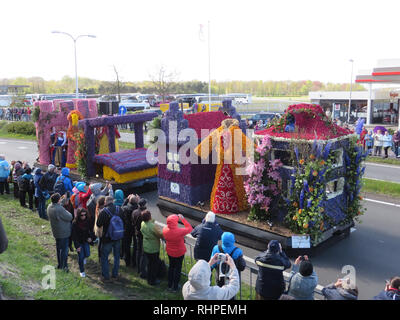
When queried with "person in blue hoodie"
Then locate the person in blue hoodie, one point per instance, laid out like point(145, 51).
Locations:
point(64, 177)
point(25, 185)
point(119, 198)
point(4, 173)
point(39, 195)
point(118, 202)
point(228, 246)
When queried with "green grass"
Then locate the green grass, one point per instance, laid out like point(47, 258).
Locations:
point(5, 134)
point(381, 187)
point(382, 160)
point(32, 246)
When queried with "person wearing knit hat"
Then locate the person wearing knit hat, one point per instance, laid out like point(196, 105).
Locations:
point(303, 279)
point(17, 171)
point(207, 235)
point(271, 263)
point(119, 197)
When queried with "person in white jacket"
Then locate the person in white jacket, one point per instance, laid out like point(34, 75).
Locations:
point(198, 287)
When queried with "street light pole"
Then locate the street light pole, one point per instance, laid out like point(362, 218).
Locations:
point(76, 64)
point(209, 69)
point(351, 87)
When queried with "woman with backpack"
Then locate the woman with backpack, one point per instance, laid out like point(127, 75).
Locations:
point(175, 247)
point(82, 236)
point(63, 183)
point(25, 185)
point(228, 246)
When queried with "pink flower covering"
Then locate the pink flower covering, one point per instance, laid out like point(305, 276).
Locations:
point(205, 120)
point(311, 122)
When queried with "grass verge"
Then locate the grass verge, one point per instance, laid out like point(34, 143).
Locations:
point(395, 161)
point(381, 187)
point(32, 247)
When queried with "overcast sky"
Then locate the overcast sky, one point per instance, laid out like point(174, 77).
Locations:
point(250, 40)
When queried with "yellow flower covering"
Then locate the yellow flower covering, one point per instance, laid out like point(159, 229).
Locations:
point(110, 174)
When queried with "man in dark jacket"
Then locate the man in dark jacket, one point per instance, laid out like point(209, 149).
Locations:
point(130, 205)
point(48, 180)
point(391, 292)
point(60, 221)
point(271, 263)
point(107, 244)
point(207, 233)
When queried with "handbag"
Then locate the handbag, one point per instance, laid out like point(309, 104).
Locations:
point(46, 195)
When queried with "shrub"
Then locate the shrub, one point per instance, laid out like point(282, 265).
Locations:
point(24, 128)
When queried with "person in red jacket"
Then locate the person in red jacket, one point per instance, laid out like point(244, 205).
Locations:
point(175, 247)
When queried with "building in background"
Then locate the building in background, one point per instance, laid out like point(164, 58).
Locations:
point(376, 106)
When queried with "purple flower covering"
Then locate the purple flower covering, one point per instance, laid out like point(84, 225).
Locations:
point(125, 161)
point(187, 194)
point(190, 174)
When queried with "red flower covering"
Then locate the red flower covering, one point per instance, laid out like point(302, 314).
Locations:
point(311, 122)
point(205, 120)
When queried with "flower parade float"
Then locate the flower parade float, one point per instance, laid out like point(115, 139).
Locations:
point(92, 146)
point(302, 184)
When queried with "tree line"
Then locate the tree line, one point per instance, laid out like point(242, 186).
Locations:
point(256, 88)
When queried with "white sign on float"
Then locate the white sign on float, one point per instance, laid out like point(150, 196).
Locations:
point(174, 187)
point(301, 242)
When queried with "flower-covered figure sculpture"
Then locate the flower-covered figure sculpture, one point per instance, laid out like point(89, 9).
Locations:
point(228, 195)
point(58, 148)
point(73, 118)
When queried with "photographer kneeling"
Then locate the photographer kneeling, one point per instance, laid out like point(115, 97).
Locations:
point(198, 287)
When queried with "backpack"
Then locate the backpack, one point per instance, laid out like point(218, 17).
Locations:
point(59, 187)
point(24, 184)
point(75, 200)
point(116, 228)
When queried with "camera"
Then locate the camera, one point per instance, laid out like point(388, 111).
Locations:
point(302, 258)
point(221, 257)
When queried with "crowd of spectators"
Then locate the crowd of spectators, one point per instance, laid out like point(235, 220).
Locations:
point(16, 114)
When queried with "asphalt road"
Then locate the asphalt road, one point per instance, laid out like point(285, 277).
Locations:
point(383, 172)
point(373, 247)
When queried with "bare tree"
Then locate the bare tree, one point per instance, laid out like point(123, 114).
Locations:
point(163, 81)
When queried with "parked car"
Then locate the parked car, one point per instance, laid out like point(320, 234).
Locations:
point(265, 117)
point(133, 104)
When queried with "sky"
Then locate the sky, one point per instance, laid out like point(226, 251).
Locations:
point(249, 40)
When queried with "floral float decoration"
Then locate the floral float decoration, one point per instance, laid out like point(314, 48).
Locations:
point(263, 183)
point(321, 173)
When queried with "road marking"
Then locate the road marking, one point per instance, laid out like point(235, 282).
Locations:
point(382, 165)
point(22, 148)
point(383, 202)
point(3, 142)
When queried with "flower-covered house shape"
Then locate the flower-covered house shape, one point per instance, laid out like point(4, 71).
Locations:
point(321, 171)
point(187, 182)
